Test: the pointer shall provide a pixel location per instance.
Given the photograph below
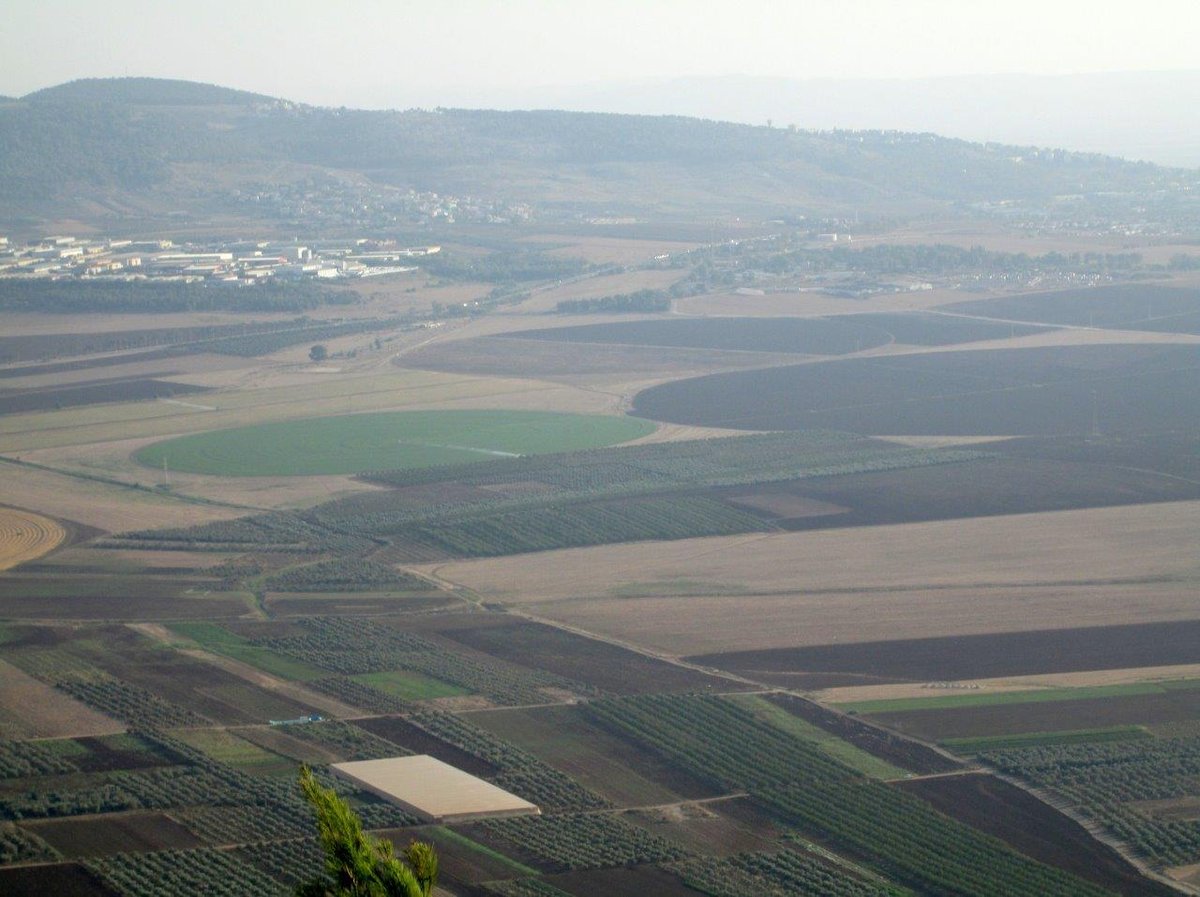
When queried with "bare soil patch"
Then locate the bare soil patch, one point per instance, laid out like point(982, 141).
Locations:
point(405, 734)
point(60, 879)
point(78, 596)
point(968, 658)
point(624, 882)
point(605, 666)
point(1172, 706)
point(1180, 809)
point(1033, 828)
point(114, 833)
point(1045, 390)
point(32, 709)
point(564, 738)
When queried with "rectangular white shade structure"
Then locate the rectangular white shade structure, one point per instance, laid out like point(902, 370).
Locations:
point(433, 790)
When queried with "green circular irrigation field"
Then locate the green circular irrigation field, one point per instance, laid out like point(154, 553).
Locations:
point(387, 441)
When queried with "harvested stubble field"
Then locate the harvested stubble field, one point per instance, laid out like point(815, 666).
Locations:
point(1041, 391)
point(1105, 566)
point(32, 709)
point(25, 536)
point(104, 506)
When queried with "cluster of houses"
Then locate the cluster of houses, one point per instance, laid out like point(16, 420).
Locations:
point(232, 261)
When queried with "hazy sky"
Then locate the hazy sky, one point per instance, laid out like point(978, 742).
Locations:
point(367, 53)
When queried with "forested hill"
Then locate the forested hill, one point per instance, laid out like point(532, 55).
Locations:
point(137, 135)
point(146, 92)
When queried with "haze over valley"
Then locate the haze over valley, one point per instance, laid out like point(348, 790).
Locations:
point(688, 484)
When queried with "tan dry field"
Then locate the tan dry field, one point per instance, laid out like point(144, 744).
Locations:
point(998, 238)
point(32, 709)
point(997, 574)
point(136, 560)
point(101, 505)
point(25, 536)
point(595, 287)
point(683, 433)
point(1082, 679)
point(31, 323)
point(391, 390)
point(601, 250)
point(808, 304)
point(192, 369)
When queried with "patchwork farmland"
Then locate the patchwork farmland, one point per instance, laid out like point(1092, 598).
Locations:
point(679, 581)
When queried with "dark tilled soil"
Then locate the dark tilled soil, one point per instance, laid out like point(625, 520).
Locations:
point(640, 881)
point(59, 880)
point(418, 740)
point(16, 401)
point(981, 488)
point(983, 656)
point(607, 667)
point(114, 833)
point(1175, 706)
point(1058, 390)
point(1034, 828)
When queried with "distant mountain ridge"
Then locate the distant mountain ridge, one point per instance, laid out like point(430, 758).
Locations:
point(79, 142)
point(145, 92)
point(1135, 115)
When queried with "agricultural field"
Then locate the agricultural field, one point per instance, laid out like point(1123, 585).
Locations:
point(358, 442)
point(584, 364)
point(972, 657)
point(25, 536)
point(1089, 568)
point(1042, 391)
point(1154, 307)
point(800, 336)
point(680, 648)
point(18, 401)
